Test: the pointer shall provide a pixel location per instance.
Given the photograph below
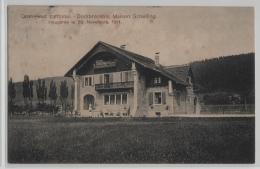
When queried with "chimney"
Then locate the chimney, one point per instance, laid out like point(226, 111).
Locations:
point(157, 58)
point(122, 46)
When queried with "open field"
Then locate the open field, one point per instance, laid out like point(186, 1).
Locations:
point(165, 140)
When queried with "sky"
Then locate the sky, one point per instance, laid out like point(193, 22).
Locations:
point(48, 41)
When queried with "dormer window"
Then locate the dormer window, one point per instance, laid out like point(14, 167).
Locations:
point(157, 80)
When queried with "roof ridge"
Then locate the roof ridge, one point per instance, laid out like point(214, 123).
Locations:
point(176, 66)
point(124, 50)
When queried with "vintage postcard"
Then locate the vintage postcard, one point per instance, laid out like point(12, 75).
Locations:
point(97, 84)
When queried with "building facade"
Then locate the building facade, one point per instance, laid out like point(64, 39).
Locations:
point(113, 82)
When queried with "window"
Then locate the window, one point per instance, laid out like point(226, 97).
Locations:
point(126, 76)
point(124, 99)
point(106, 99)
point(108, 78)
point(110, 99)
point(118, 99)
point(101, 79)
point(88, 81)
point(157, 80)
point(157, 98)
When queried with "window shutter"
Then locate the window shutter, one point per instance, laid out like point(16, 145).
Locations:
point(163, 98)
point(90, 81)
point(130, 76)
point(126, 76)
point(100, 79)
point(150, 98)
point(93, 81)
point(123, 76)
point(111, 78)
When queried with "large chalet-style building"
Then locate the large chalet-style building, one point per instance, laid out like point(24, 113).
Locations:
point(113, 82)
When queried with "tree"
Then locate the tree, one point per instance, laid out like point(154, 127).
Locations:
point(27, 90)
point(64, 92)
point(38, 90)
point(41, 91)
point(11, 95)
point(44, 91)
point(53, 94)
point(31, 92)
point(11, 90)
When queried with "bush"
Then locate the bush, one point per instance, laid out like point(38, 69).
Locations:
point(48, 108)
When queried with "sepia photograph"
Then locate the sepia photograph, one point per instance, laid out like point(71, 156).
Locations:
point(130, 85)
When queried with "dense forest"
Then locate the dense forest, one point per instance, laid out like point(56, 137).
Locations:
point(226, 76)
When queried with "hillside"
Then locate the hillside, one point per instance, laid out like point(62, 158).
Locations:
point(230, 74)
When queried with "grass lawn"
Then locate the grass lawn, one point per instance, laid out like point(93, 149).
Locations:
point(169, 140)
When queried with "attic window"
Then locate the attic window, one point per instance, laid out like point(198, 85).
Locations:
point(157, 80)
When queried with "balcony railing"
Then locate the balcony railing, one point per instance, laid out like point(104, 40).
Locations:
point(117, 85)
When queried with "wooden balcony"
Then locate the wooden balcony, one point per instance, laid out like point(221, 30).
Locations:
point(117, 85)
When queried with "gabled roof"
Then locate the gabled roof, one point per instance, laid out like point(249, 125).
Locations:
point(139, 59)
point(180, 71)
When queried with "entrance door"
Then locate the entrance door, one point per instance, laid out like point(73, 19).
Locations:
point(89, 102)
